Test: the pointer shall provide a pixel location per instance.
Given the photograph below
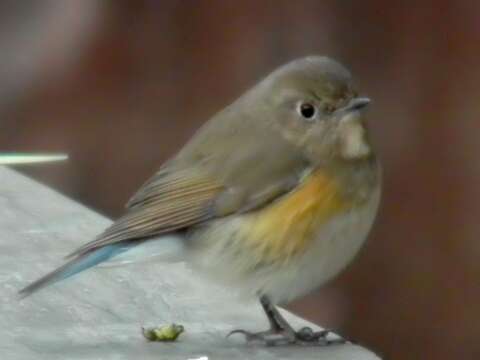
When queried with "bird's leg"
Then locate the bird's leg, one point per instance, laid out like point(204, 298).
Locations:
point(281, 333)
point(278, 324)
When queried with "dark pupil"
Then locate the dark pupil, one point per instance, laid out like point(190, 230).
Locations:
point(307, 110)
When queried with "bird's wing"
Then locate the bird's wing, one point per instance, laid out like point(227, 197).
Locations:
point(168, 202)
point(215, 175)
point(175, 199)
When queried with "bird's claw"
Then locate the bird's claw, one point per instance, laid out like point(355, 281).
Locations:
point(305, 336)
point(237, 331)
point(308, 336)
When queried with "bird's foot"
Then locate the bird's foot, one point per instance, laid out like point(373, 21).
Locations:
point(305, 336)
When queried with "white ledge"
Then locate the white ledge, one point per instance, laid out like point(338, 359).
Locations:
point(99, 313)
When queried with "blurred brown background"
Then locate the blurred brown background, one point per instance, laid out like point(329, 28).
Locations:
point(121, 85)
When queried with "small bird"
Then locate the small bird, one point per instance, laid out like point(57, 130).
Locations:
point(273, 196)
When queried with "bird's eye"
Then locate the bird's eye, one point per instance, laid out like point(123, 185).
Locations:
point(307, 110)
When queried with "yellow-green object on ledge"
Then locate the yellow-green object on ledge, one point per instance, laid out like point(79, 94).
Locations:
point(163, 333)
point(26, 158)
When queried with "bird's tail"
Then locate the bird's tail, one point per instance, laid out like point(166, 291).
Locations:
point(78, 264)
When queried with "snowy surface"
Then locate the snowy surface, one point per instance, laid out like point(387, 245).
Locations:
point(99, 313)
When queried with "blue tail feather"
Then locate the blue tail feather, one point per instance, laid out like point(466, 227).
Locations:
point(78, 264)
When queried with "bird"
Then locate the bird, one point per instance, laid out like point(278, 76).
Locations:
point(272, 197)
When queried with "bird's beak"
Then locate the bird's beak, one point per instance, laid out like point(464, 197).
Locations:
point(357, 103)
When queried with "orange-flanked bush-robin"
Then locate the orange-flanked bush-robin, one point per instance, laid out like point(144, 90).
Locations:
point(273, 196)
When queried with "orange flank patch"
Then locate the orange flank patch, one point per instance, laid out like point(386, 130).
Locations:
point(286, 227)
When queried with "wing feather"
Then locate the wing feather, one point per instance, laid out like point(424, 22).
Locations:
point(166, 203)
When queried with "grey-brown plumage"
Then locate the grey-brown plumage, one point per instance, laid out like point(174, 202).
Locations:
point(225, 168)
point(300, 128)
